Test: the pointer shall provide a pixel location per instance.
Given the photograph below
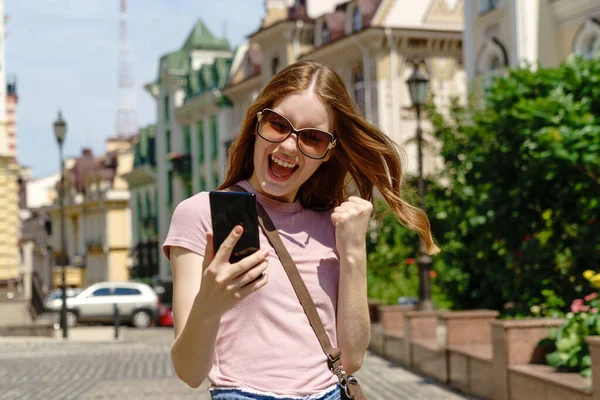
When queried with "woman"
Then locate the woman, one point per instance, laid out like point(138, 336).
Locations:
point(241, 325)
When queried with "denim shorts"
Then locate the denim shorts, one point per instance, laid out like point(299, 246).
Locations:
point(219, 393)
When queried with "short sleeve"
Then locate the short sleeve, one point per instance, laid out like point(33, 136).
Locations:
point(189, 224)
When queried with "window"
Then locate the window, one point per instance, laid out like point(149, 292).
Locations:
point(487, 5)
point(187, 140)
point(122, 291)
point(214, 138)
point(491, 61)
point(187, 187)
point(358, 87)
point(494, 63)
point(149, 227)
point(325, 37)
point(140, 217)
point(227, 145)
point(168, 140)
point(166, 105)
point(101, 292)
point(201, 141)
point(274, 65)
point(591, 47)
point(587, 39)
point(357, 20)
point(152, 151)
point(170, 189)
point(215, 177)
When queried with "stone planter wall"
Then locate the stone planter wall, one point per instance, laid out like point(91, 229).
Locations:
point(490, 358)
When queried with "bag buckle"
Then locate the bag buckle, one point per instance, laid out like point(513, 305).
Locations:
point(331, 361)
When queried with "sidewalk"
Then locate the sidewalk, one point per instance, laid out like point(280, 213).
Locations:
point(91, 365)
point(98, 334)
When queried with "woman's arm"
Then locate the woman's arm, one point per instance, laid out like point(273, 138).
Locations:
point(196, 330)
point(351, 220)
point(204, 289)
point(353, 322)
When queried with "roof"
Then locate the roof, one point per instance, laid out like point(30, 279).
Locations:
point(176, 61)
point(200, 38)
point(88, 166)
point(336, 23)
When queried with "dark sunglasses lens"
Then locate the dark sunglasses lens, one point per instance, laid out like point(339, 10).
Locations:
point(314, 143)
point(273, 126)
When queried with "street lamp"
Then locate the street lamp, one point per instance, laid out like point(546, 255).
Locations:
point(417, 87)
point(60, 130)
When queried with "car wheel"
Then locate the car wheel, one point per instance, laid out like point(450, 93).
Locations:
point(141, 319)
point(71, 319)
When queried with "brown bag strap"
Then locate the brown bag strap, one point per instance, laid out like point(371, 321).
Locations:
point(265, 222)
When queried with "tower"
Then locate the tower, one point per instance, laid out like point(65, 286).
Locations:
point(127, 113)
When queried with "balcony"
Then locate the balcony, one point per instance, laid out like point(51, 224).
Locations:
point(95, 245)
point(182, 164)
point(146, 255)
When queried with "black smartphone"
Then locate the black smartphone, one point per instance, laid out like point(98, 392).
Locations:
point(228, 209)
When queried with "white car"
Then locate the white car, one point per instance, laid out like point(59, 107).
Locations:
point(137, 304)
point(53, 300)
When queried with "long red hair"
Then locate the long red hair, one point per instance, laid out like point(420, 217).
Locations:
point(364, 156)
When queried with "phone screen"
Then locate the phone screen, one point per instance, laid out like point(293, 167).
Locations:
point(228, 209)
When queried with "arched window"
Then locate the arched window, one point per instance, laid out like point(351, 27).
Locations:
point(274, 65)
point(591, 46)
point(491, 59)
point(358, 87)
point(494, 63)
point(325, 37)
point(587, 39)
point(357, 20)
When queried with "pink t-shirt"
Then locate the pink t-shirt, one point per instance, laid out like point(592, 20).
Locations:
point(265, 342)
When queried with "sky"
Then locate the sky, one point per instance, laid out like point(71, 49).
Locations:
point(64, 54)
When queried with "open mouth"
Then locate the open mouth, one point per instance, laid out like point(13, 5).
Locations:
point(280, 168)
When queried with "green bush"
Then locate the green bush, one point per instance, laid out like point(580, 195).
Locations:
point(519, 213)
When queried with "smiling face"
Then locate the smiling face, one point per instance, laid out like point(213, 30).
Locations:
point(280, 169)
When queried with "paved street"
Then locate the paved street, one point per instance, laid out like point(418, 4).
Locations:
point(139, 367)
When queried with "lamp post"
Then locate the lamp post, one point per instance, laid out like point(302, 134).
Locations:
point(417, 86)
point(60, 130)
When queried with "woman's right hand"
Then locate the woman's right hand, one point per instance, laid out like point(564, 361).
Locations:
point(223, 285)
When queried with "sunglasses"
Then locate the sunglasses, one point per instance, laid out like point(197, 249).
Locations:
point(275, 128)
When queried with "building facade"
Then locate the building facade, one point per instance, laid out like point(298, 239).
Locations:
point(97, 216)
point(9, 172)
point(169, 90)
point(502, 34)
point(144, 206)
point(370, 43)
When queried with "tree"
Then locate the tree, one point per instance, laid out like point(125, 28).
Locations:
point(521, 209)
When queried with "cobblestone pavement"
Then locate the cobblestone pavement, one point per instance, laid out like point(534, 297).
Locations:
point(139, 367)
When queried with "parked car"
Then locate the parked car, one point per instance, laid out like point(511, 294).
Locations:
point(137, 304)
point(53, 301)
point(165, 296)
point(165, 315)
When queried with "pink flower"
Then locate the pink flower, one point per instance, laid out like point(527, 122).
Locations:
point(590, 296)
point(577, 305)
point(594, 310)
